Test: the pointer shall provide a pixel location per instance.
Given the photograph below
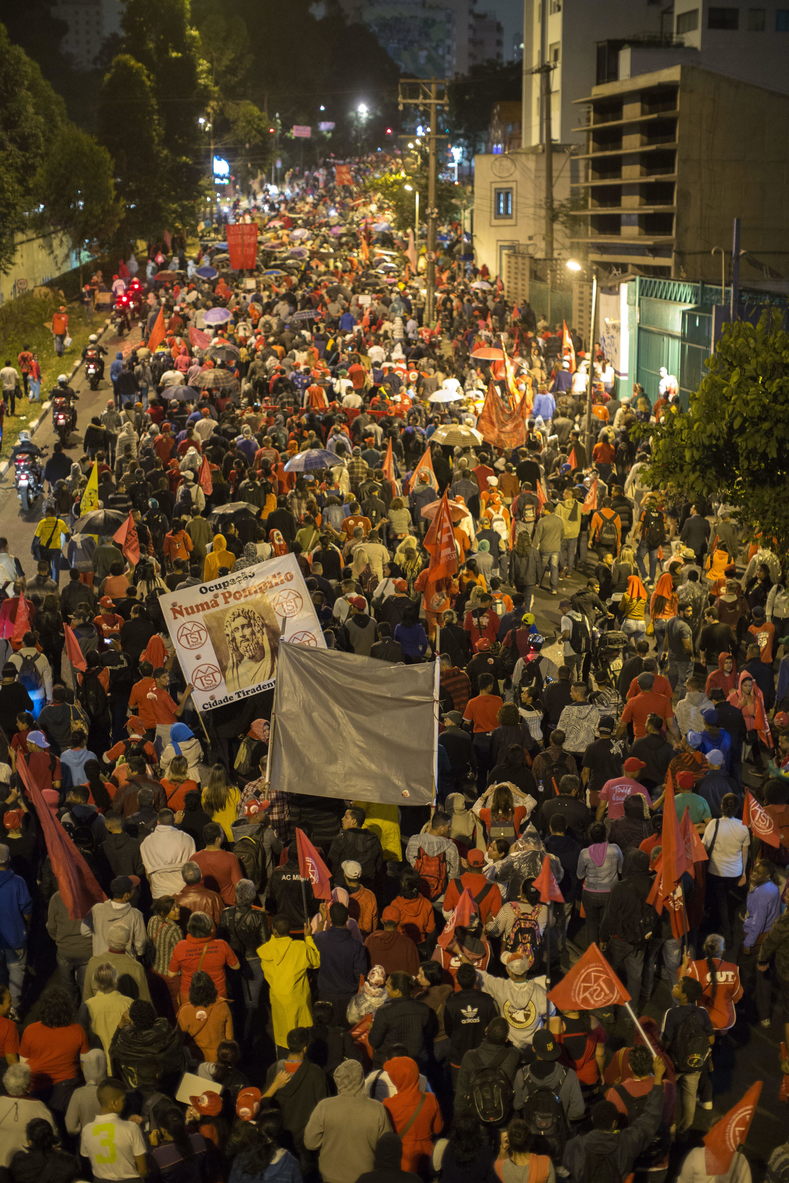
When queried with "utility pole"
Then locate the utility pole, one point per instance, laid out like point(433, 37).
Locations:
point(430, 93)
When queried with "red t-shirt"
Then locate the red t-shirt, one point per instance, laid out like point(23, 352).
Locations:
point(483, 712)
point(644, 704)
point(211, 956)
point(9, 1038)
point(53, 1053)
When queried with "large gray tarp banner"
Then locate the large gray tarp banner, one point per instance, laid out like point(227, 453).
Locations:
point(353, 727)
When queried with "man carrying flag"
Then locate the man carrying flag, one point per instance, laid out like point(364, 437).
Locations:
point(128, 540)
point(435, 580)
point(90, 498)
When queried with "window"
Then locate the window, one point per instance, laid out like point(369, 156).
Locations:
point(687, 21)
point(502, 203)
point(757, 20)
point(554, 52)
point(556, 6)
point(782, 20)
point(723, 18)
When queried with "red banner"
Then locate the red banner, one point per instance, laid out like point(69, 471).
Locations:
point(499, 424)
point(242, 245)
point(590, 985)
point(128, 540)
point(342, 174)
point(464, 910)
point(546, 884)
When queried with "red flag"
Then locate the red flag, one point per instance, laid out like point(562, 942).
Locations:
point(590, 985)
point(199, 338)
point(204, 477)
point(157, 332)
point(590, 501)
point(21, 622)
point(754, 816)
point(439, 542)
point(77, 883)
point(155, 652)
point(73, 651)
point(500, 425)
point(388, 467)
point(128, 540)
point(312, 867)
point(541, 498)
point(723, 1139)
point(572, 459)
point(546, 884)
point(464, 910)
point(672, 864)
point(695, 850)
point(424, 465)
point(568, 349)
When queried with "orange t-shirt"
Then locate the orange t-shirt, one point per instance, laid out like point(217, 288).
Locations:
point(175, 792)
point(9, 1038)
point(644, 704)
point(53, 1053)
point(483, 712)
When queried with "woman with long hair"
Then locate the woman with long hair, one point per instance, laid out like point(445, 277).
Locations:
point(206, 1017)
point(177, 782)
point(633, 607)
point(178, 1155)
point(42, 1161)
point(499, 813)
point(518, 1160)
point(220, 799)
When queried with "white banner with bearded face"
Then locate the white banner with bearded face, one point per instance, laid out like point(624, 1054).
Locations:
point(227, 632)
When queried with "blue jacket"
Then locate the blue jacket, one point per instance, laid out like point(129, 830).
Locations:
point(15, 904)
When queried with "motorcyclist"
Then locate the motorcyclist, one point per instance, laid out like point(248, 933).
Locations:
point(64, 391)
point(94, 350)
point(25, 447)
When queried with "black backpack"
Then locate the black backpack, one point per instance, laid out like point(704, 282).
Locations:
point(491, 1095)
point(544, 1113)
point(656, 1151)
point(690, 1047)
point(600, 1167)
point(29, 674)
point(581, 635)
point(653, 528)
point(93, 697)
point(607, 535)
point(82, 833)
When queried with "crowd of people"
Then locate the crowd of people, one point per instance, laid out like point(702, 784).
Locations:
point(605, 651)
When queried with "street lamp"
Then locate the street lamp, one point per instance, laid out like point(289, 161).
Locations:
point(718, 250)
point(576, 267)
point(413, 189)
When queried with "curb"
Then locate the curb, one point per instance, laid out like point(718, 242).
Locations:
point(34, 425)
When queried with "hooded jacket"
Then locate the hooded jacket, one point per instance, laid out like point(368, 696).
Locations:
point(297, 1099)
point(84, 1104)
point(149, 1059)
point(346, 1129)
point(487, 1055)
point(285, 965)
point(415, 1115)
point(218, 556)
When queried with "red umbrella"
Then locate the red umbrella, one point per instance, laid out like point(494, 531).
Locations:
point(457, 512)
point(488, 353)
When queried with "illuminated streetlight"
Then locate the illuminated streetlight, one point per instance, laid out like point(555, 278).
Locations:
point(573, 265)
point(413, 189)
point(362, 110)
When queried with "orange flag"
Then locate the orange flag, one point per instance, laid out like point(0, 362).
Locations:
point(204, 477)
point(546, 884)
point(590, 500)
point(388, 467)
point(572, 459)
point(21, 622)
point(312, 867)
point(500, 425)
point(464, 910)
point(723, 1140)
point(439, 542)
point(568, 349)
point(157, 332)
point(128, 540)
point(672, 864)
point(695, 850)
point(73, 651)
point(424, 465)
point(758, 820)
point(590, 985)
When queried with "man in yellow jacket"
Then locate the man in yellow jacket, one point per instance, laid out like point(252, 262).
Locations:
point(285, 964)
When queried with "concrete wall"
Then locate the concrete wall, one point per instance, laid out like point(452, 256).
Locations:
point(733, 161)
point(754, 55)
point(524, 173)
point(37, 261)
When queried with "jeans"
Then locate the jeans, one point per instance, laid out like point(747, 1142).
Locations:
point(550, 561)
point(687, 1088)
point(628, 959)
point(594, 903)
point(756, 986)
point(59, 343)
point(723, 897)
point(643, 550)
point(678, 671)
point(634, 628)
point(72, 971)
point(12, 972)
point(568, 553)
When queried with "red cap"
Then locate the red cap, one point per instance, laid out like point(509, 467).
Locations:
point(686, 779)
point(207, 1104)
point(482, 645)
point(475, 858)
point(633, 764)
point(359, 603)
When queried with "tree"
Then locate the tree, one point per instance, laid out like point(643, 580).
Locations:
point(243, 135)
point(472, 97)
point(733, 443)
point(391, 186)
point(77, 189)
point(129, 127)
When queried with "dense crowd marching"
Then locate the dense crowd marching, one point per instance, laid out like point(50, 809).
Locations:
point(212, 1019)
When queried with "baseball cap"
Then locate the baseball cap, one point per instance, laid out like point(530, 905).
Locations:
point(12, 818)
point(686, 779)
point(248, 1103)
point(207, 1104)
point(605, 723)
point(359, 603)
point(106, 602)
point(695, 739)
point(253, 807)
point(400, 585)
point(493, 480)
point(351, 869)
point(391, 915)
point(475, 858)
point(482, 645)
point(709, 715)
point(455, 718)
point(545, 1045)
point(38, 738)
point(633, 764)
point(715, 757)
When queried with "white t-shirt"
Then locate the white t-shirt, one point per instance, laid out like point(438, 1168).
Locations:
point(111, 1144)
point(728, 854)
point(523, 1004)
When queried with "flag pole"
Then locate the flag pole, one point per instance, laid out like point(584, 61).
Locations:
point(641, 1030)
point(548, 960)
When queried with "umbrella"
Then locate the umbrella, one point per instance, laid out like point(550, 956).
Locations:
point(165, 276)
point(298, 252)
point(217, 316)
point(445, 396)
point(207, 272)
point(306, 314)
point(455, 435)
point(456, 511)
point(233, 510)
point(301, 232)
point(224, 352)
point(274, 271)
point(482, 285)
point(100, 521)
point(312, 459)
point(215, 380)
point(380, 227)
point(488, 353)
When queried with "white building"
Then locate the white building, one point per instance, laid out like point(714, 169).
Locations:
point(747, 41)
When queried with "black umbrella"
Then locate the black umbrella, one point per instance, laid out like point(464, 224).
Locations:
point(100, 521)
point(232, 511)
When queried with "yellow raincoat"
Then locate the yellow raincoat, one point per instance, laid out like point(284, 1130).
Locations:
point(285, 963)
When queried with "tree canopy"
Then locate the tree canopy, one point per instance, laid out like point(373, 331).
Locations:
point(732, 444)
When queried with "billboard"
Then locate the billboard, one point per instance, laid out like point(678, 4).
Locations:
point(227, 632)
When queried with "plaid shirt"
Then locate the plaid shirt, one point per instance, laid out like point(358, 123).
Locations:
point(457, 684)
point(278, 813)
point(357, 471)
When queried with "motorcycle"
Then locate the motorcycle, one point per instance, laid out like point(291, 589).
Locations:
point(63, 419)
point(121, 315)
point(28, 478)
point(93, 372)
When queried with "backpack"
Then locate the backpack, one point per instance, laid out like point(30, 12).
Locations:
point(653, 529)
point(250, 853)
point(581, 636)
point(607, 535)
point(544, 1113)
point(656, 1151)
point(600, 1167)
point(244, 763)
point(82, 834)
point(476, 898)
point(524, 938)
point(491, 1096)
point(29, 674)
point(93, 697)
point(690, 1048)
point(502, 829)
point(432, 871)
